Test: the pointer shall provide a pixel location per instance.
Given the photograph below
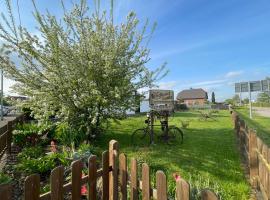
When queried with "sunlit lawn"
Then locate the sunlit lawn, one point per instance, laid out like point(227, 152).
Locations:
point(259, 123)
point(208, 154)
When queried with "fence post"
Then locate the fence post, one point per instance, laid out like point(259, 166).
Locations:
point(92, 178)
point(32, 187)
point(208, 195)
point(161, 185)
point(105, 175)
point(133, 180)
point(76, 179)
point(145, 182)
point(113, 175)
point(9, 137)
point(123, 175)
point(264, 169)
point(182, 190)
point(268, 174)
point(5, 191)
point(57, 182)
point(253, 159)
point(234, 118)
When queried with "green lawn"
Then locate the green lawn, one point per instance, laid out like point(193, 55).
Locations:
point(258, 123)
point(207, 158)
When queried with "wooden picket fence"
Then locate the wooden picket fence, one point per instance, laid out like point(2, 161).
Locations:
point(6, 134)
point(256, 155)
point(117, 182)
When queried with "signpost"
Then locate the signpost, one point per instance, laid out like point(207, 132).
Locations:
point(161, 100)
point(252, 86)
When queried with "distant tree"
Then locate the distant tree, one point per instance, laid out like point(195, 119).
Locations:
point(229, 101)
point(263, 98)
point(246, 101)
point(213, 97)
point(236, 99)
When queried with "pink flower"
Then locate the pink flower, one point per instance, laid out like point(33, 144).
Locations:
point(83, 188)
point(176, 176)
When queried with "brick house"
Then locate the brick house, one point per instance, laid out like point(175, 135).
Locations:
point(192, 97)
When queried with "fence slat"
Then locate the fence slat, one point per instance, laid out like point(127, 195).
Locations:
point(133, 180)
point(145, 182)
point(105, 175)
point(9, 137)
point(268, 174)
point(123, 175)
point(161, 185)
point(113, 175)
point(253, 159)
point(208, 195)
point(57, 182)
point(76, 180)
point(32, 187)
point(182, 190)
point(92, 180)
point(264, 173)
point(259, 146)
point(6, 191)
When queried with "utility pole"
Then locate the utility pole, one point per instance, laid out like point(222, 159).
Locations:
point(2, 96)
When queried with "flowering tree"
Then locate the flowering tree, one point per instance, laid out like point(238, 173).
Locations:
point(82, 68)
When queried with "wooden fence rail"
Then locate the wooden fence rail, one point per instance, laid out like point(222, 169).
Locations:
point(256, 155)
point(6, 135)
point(117, 181)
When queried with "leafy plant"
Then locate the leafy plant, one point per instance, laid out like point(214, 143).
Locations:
point(28, 134)
point(83, 152)
point(67, 135)
point(4, 179)
point(30, 153)
point(42, 165)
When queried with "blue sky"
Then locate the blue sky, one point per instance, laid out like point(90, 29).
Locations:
point(207, 44)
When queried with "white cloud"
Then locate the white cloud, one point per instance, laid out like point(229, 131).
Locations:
point(167, 85)
point(209, 83)
point(233, 74)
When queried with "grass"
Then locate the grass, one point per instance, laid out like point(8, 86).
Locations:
point(258, 123)
point(207, 158)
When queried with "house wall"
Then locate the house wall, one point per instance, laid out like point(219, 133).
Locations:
point(192, 102)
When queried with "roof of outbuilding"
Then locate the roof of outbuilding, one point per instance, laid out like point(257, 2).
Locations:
point(192, 94)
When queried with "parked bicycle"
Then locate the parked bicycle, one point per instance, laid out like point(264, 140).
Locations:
point(169, 134)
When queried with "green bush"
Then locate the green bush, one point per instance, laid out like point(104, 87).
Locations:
point(67, 135)
point(4, 179)
point(30, 152)
point(28, 134)
point(42, 165)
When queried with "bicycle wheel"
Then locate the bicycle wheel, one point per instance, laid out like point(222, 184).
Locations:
point(175, 135)
point(140, 137)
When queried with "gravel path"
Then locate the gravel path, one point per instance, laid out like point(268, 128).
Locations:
point(265, 112)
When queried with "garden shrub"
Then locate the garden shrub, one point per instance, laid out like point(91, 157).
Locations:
point(42, 165)
point(67, 135)
point(4, 179)
point(84, 152)
point(30, 153)
point(29, 134)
